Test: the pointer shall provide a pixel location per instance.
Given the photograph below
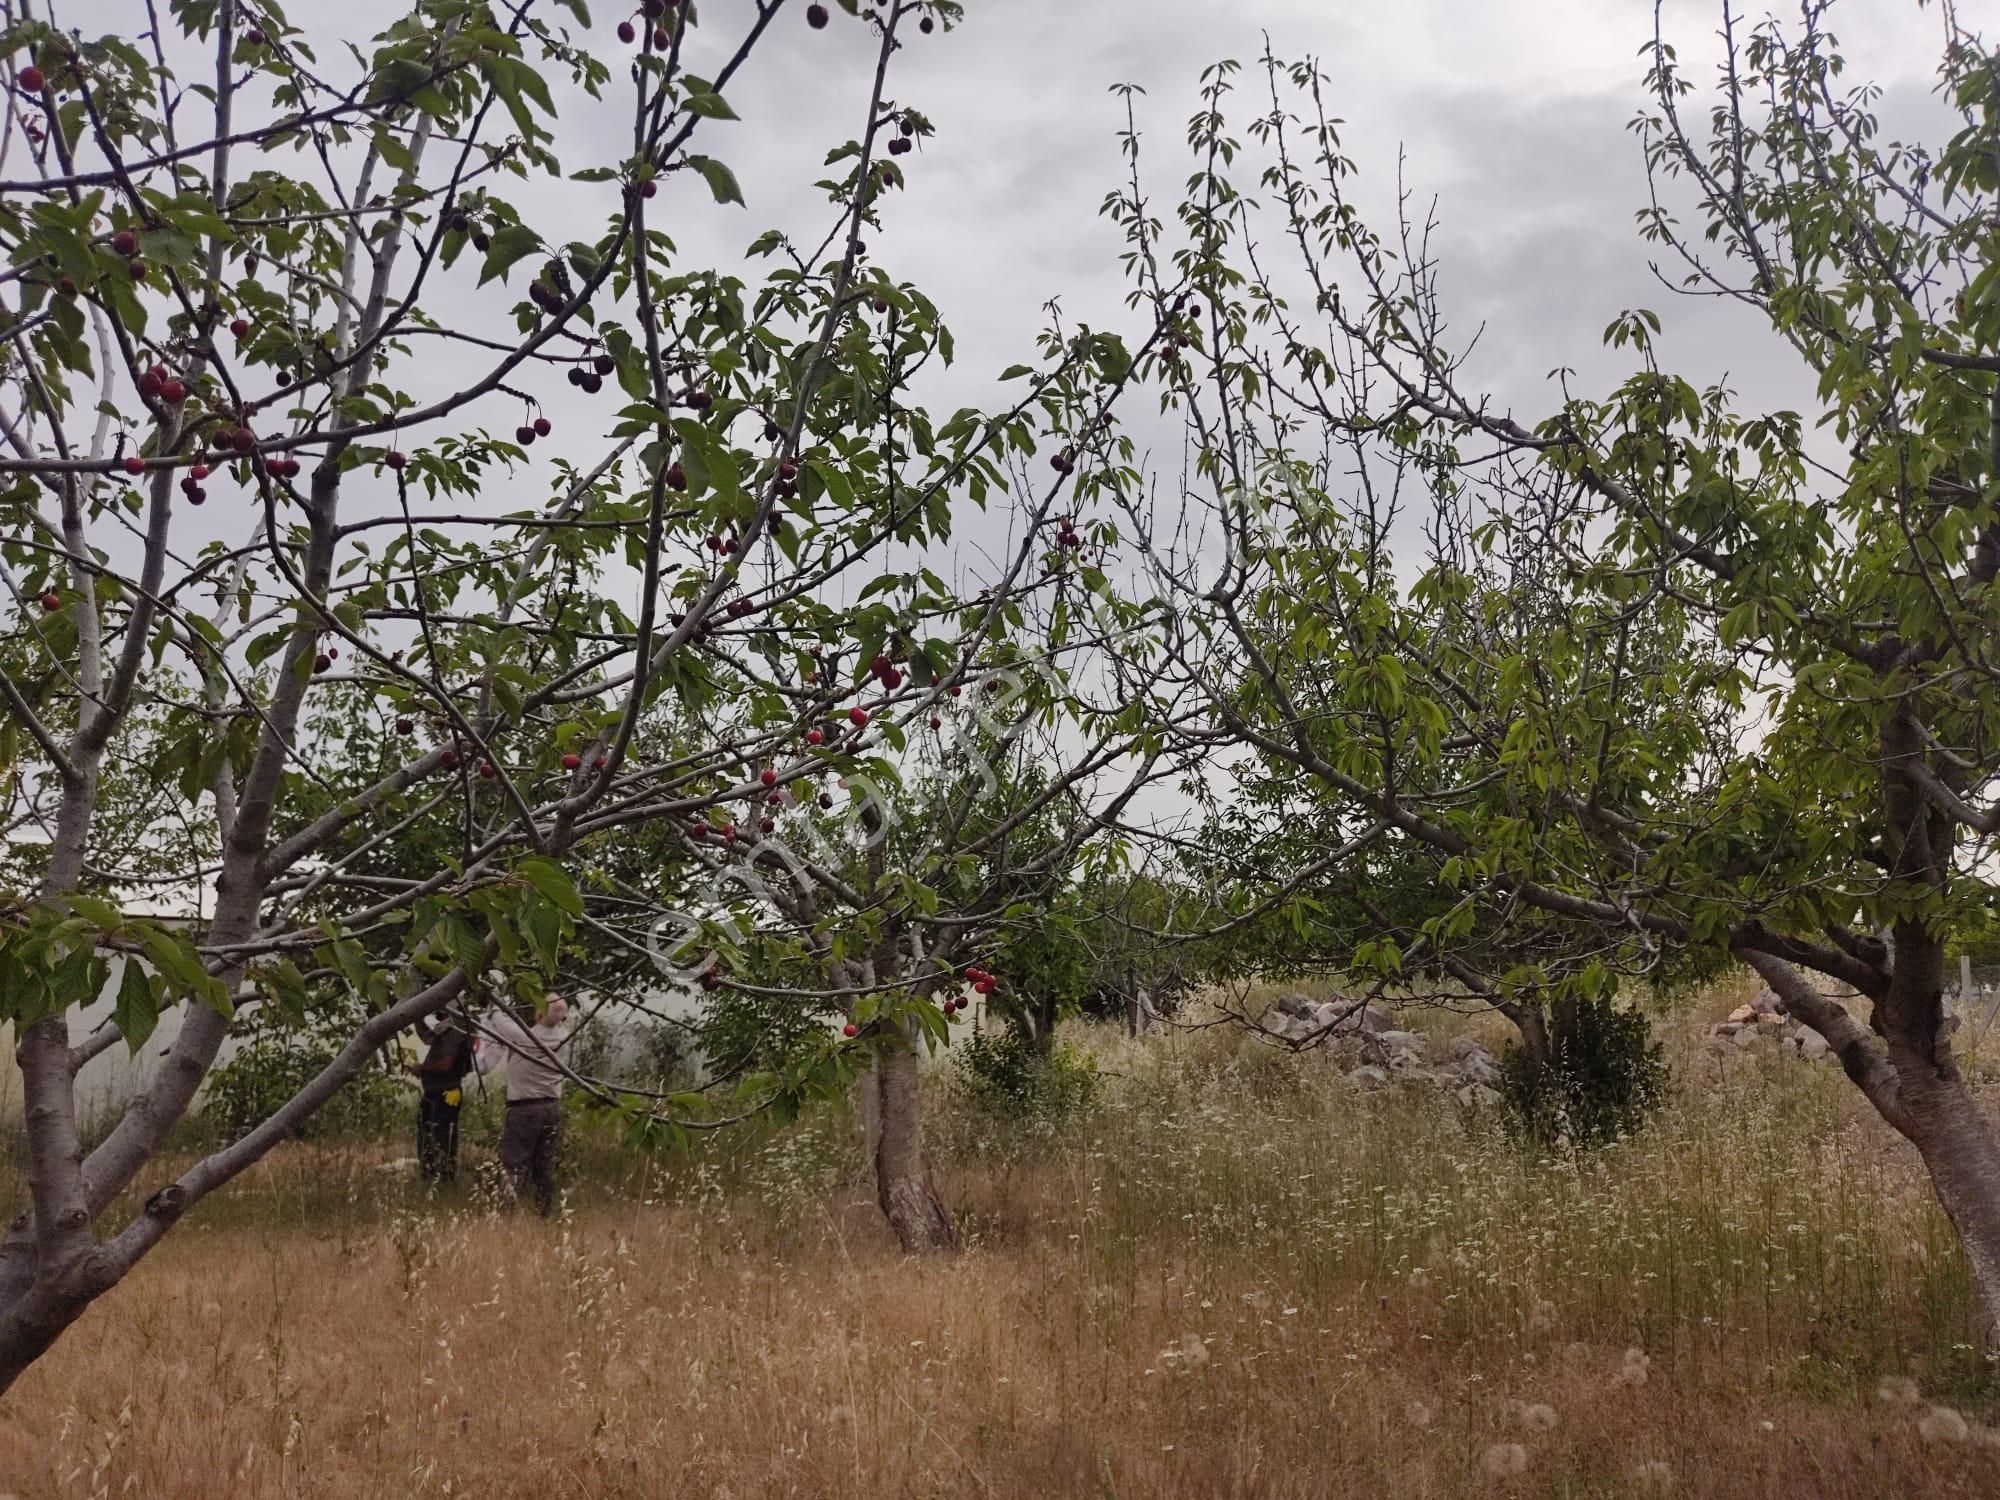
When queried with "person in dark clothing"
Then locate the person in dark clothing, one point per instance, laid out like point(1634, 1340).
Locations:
point(441, 1075)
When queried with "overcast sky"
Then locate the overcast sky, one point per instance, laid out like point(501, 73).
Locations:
point(1512, 113)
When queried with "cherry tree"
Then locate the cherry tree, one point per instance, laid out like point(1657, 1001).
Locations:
point(1666, 680)
point(398, 521)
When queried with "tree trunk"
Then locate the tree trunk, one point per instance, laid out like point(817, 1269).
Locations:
point(1533, 1026)
point(903, 1184)
point(1041, 1015)
point(1961, 1150)
point(1932, 1107)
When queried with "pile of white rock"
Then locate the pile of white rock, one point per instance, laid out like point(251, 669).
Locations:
point(1364, 1041)
point(1764, 1022)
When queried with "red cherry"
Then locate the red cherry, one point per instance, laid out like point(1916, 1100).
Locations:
point(135, 464)
point(173, 392)
point(815, 737)
point(541, 427)
point(125, 243)
point(858, 717)
point(394, 459)
point(927, 26)
point(242, 440)
point(816, 17)
point(881, 666)
point(769, 778)
point(626, 34)
point(955, 690)
point(322, 662)
point(709, 981)
point(850, 1030)
point(598, 764)
point(984, 987)
point(729, 833)
point(826, 799)
point(450, 761)
point(788, 471)
point(488, 770)
point(892, 679)
point(198, 472)
point(766, 825)
point(32, 80)
point(936, 722)
point(572, 762)
point(405, 726)
point(240, 327)
point(52, 601)
point(677, 479)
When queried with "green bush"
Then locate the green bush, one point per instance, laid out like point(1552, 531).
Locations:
point(1604, 1074)
point(1000, 1071)
point(278, 1060)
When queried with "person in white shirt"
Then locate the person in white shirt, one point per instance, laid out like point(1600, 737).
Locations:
point(533, 1129)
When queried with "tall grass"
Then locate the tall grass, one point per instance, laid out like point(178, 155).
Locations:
point(1241, 1275)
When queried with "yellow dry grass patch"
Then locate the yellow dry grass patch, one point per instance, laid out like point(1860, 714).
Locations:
point(1241, 1278)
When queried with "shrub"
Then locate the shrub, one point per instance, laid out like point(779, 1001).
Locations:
point(1001, 1071)
point(278, 1060)
point(1603, 1075)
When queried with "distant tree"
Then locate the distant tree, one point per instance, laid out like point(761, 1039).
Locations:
point(1808, 787)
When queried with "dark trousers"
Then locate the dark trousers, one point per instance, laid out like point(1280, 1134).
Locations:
point(437, 1138)
point(528, 1149)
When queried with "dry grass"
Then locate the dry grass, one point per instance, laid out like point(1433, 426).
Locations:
point(1240, 1278)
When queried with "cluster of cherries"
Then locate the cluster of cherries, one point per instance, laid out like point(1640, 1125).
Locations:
point(590, 379)
point(652, 11)
point(126, 243)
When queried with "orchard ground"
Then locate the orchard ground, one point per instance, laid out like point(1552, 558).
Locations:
point(1240, 1274)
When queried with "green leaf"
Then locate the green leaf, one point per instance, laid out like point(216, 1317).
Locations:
point(708, 106)
point(510, 243)
point(721, 181)
point(553, 881)
point(138, 1009)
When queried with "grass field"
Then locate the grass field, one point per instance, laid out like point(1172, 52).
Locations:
point(1241, 1275)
